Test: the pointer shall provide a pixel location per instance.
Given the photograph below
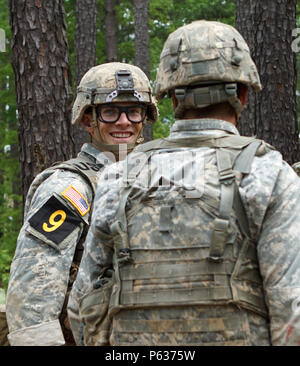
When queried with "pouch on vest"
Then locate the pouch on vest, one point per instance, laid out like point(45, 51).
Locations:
point(93, 312)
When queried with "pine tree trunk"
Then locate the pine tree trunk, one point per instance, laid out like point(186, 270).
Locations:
point(271, 114)
point(40, 61)
point(111, 31)
point(85, 52)
point(142, 46)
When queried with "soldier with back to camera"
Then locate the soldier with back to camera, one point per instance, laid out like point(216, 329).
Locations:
point(194, 238)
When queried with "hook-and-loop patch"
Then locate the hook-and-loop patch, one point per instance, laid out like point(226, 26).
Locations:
point(54, 220)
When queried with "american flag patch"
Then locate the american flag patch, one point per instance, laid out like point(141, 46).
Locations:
point(77, 200)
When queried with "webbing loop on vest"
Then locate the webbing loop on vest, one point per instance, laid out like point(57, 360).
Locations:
point(121, 242)
point(243, 164)
point(240, 213)
point(221, 223)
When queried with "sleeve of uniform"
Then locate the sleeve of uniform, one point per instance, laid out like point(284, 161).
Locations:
point(272, 198)
point(98, 250)
point(96, 258)
point(54, 222)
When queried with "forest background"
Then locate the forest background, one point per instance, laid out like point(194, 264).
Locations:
point(164, 16)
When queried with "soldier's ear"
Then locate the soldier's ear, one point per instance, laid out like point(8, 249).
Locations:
point(86, 120)
point(89, 129)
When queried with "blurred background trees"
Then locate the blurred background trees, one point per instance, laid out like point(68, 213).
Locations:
point(40, 60)
point(268, 26)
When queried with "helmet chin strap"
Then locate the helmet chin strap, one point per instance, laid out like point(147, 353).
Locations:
point(119, 150)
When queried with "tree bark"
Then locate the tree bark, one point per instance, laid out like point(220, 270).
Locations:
point(111, 27)
point(40, 61)
point(85, 52)
point(142, 46)
point(271, 114)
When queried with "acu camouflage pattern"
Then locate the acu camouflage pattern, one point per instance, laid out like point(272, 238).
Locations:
point(205, 51)
point(100, 81)
point(270, 194)
point(296, 167)
point(42, 271)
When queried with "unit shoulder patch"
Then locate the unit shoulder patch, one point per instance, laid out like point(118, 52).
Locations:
point(54, 220)
point(77, 200)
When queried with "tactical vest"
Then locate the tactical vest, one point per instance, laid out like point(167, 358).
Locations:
point(215, 271)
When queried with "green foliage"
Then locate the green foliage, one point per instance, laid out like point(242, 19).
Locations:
point(10, 205)
point(70, 11)
point(125, 34)
point(2, 296)
point(10, 199)
point(162, 127)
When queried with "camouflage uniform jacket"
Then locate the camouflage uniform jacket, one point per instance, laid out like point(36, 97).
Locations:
point(296, 167)
point(57, 213)
point(271, 197)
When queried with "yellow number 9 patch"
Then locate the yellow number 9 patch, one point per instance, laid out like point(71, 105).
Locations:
point(54, 221)
point(55, 224)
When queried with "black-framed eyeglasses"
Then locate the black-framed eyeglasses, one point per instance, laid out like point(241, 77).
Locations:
point(109, 113)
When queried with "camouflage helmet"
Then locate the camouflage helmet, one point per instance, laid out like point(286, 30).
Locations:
point(111, 82)
point(203, 62)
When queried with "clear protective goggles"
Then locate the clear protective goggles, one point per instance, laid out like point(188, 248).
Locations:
point(110, 113)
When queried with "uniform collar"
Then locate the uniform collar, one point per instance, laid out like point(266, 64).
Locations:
point(97, 156)
point(201, 125)
point(89, 149)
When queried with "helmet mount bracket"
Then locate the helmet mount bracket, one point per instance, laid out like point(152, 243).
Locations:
point(125, 85)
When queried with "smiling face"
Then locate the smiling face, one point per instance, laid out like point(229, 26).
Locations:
point(122, 131)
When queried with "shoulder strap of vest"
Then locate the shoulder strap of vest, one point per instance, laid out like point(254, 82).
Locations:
point(244, 159)
point(84, 167)
point(230, 197)
point(221, 223)
point(223, 140)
